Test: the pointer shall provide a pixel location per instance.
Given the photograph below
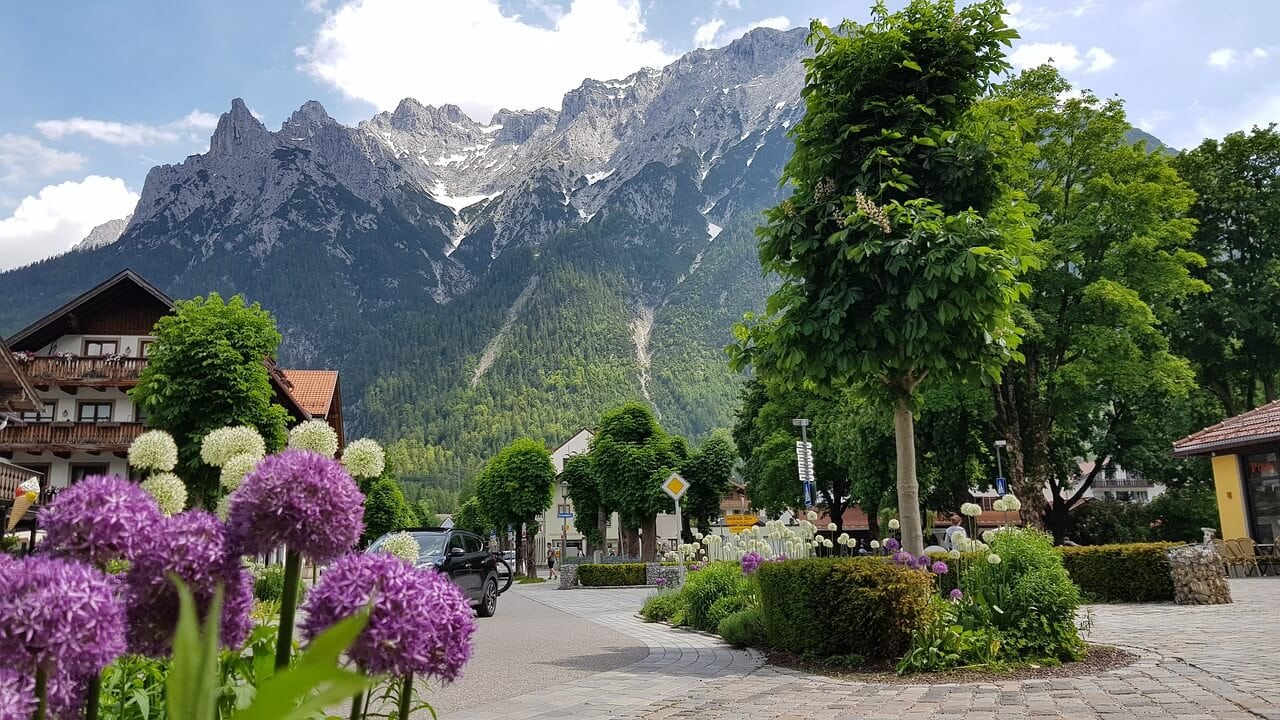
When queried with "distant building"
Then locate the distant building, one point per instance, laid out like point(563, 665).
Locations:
point(83, 358)
point(1116, 483)
point(1245, 452)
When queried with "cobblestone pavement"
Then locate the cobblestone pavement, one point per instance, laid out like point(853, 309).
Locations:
point(1219, 663)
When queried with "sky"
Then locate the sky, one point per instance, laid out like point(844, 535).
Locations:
point(97, 93)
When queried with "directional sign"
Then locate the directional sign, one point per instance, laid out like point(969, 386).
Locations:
point(804, 460)
point(564, 515)
point(675, 486)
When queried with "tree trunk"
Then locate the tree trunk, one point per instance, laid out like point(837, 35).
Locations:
point(908, 487)
point(649, 542)
point(628, 538)
point(1057, 513)
point(602, 527)
point(531, 552)
point(519, 552)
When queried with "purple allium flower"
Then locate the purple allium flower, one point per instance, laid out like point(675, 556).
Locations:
point(190, 545)
point(939, 568)
point(956, 594)
point(751, 562)
point(892, 544)
point(421, 623)
point(903, 558)
point(60, 614)
point(661, 582)
point(922, 562)
point(100, 518)
point(780, 557)
point(17, 694)
point(300, 499)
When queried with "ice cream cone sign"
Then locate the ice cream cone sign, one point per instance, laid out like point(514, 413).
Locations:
point(24, 497)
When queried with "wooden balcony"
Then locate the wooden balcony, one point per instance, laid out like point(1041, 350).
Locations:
point(66, 438)
point(82, 371)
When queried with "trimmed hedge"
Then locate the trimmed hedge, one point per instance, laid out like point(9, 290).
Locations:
point(598, 575)
point(822, 607)
point(1132, 572)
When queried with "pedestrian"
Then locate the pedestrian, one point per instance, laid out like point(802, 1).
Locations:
point(551, 561)
point(947, 540)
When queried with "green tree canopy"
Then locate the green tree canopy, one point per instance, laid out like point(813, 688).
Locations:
point(900, 247)
point(708, 471)
point(385, 509)
point(516, 485)
point(1114, 260)
point(589, 510)
point(631, 455)
point(1231, 334)
point(471, 517)
point(206, 371)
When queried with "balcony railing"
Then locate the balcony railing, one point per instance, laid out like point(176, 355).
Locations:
point(82, 370)
point(1127, 482)
point(67, 437)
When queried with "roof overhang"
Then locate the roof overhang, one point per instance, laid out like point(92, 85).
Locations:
point(45, 323)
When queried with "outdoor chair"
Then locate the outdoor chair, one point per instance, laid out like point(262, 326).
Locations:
point(1246, 555)
point(1226, 554)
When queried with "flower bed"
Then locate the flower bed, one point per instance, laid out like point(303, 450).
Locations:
point(594, 575)
point(1132, 572)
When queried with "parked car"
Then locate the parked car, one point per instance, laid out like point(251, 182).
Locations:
point(462, 556)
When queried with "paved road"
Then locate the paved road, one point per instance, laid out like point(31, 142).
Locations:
point(1195, 664)
point(529, 646)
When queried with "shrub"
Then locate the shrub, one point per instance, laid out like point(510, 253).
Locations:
point(662, 606)
point(744, 628)
point(842, 607)
point(704, 587)
point(1036, 599)
point(593, 575)
point(1137, 572)
point(268, 582)
point(726, 606)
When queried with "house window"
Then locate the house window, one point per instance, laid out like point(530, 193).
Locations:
point(139, 413)
point(101, 348)
point(144, 347)
point(92, 412)
point(564, 509)
point(1262, 486)
point(44, 414)
point(80, 471)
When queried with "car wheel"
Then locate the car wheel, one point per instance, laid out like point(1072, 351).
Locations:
point(489, 600)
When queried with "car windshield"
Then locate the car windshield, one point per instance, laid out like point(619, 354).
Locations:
point(430, 545)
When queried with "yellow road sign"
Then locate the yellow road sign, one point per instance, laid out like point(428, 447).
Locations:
point(675, 486)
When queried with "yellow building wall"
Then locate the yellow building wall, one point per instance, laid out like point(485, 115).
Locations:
point(1229, 487)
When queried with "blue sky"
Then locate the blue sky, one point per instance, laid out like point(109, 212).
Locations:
point(96, 93)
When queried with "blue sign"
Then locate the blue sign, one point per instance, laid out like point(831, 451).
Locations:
point(808, 495)
point(1002, 486)
point(564, 515)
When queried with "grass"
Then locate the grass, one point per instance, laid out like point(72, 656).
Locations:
point(522, 580)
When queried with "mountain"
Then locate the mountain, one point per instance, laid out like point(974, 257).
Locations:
point(104, 234)
point(480, 281)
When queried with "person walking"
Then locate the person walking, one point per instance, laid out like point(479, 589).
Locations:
point(947, 540)
point(551, 562)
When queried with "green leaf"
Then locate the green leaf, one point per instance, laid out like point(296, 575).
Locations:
point(912, 64)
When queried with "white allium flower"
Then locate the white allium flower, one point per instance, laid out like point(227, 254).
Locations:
point(223, 508)
point(843, 539)
point(954, 554)
point(154, 450)
point(225, 443)
point(234, 470)
point(705, 539)
point(959, 533)
point(875, 544)
point(1012, 503)
point(168, 490)
point(811, 516)
point(987, 535)
point(316, 436)
point(998, 506)
point(894, 524)
point(971, 509)
point(831, 527)
point(994, 559)
point(697, 534)
point(364, 458)
point(402, 545)
point(853, 542)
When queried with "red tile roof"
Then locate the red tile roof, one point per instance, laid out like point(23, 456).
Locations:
point(313, 389)
point(1257, 425)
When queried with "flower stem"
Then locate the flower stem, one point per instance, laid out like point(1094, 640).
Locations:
point(42, 686)
point(406, 696)
point(357, 706)
point(92, 701)
point(288, 604)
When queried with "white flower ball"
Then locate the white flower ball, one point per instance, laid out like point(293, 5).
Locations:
point(234, 470)
point(811, 516)
point(998, 506)
point(853, 542)
point(154, 450)
point(168, 490)
point(1012, 503)
point(831, 527)
point(364, 458)
point(316, 436)
point(994, 559)
point(987, 535)
point(223, 508)
point(954, 554)
point(894, 524)
point(959, 533)
point(225, 443)
point(402, 545)
point(875, 544)
point(971, 509)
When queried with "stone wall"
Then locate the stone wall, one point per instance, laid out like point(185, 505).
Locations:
point(568, 576)
point(1198, 577)
point(669, 574)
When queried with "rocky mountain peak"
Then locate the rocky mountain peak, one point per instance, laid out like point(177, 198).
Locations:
point(412, 116)
point(238, 131)
point(517, 126)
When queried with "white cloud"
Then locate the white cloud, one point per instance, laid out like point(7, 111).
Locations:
point(1064, 56)
point(471, 54)
point(1035, 17)
point(1226, 57)
point(1222, 57)
point(712, 34)
point(59, 216)
point(735, 4)
point(118, 133)
point(705, 35)
point(1262, 109)
point(24, 158)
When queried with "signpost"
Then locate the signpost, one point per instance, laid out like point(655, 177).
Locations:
point(738, 523)
point(676, 486)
